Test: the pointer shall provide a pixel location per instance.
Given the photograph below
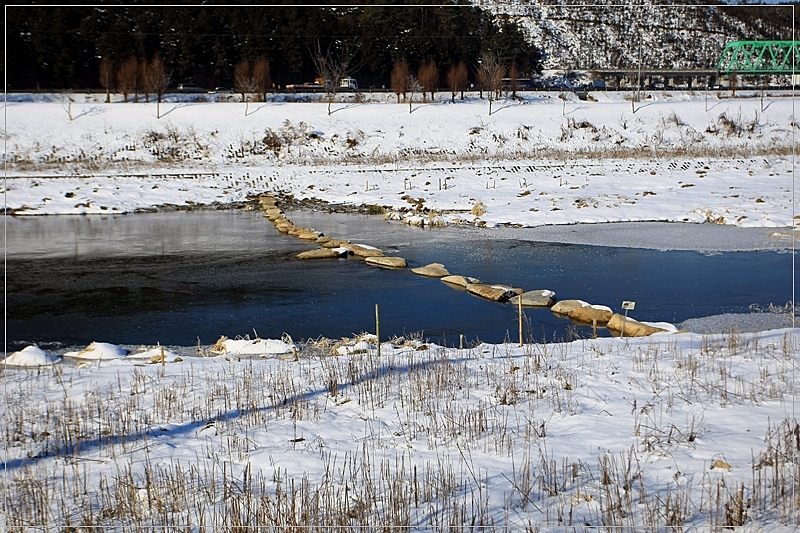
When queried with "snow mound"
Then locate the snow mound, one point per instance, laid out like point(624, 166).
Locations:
point(153, 353)
point(99, 351)
point(31, 356)
point(260, 347)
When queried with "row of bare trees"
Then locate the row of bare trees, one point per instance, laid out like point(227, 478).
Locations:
point(490, 73)
point(135, 76)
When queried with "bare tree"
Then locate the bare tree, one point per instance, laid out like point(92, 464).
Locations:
point(127, 77)
point(457, 79)
point(262, 78)
point(413, 86)
point(332, 65)
point(107, 77)
point(243, 82)
point(144, 82)
point(400, 79)
point(135, 74)
point(157, 80)
point(241, 78)
point(429, 78)
point(513, 82)
point(66, 103)
point(490, 75)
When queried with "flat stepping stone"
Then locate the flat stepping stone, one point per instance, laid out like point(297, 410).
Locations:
point(387, 262)
point(320, 253)
point(541, 298)
point(333, 243)
point(495, 293)
point(308, 236)
point(460, 281)
point(433, 270)
point(362, 250)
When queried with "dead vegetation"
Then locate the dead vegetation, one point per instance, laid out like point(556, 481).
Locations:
point(87, 456)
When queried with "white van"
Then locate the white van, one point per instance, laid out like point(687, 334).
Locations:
point(348, 83)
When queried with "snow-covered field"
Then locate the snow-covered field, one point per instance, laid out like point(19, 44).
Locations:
point(538, 161)
point(672, 430)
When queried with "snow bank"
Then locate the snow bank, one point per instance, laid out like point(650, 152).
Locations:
point(30, 356)
point(99, 351)
point(255, 347)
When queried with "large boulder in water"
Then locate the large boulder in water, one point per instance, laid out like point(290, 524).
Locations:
point(590, 314)
point(386, 262)
point(633, 328)
point(583, 312)
point(565, 306)
point(460, 281)
point(539, 298)
point(433, 270)
point(496, 293)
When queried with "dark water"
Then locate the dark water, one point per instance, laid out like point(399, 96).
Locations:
point(178, 277)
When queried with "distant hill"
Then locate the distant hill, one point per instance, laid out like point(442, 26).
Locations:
point(609, 34)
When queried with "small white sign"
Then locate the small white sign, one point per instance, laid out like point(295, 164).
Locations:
point(628, 305)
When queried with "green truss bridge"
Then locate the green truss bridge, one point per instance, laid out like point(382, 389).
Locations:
point(760, 57)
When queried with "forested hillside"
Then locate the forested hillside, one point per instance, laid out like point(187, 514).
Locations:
point(62, 47)
point(611, 34)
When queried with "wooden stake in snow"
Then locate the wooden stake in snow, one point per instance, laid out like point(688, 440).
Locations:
point(378, 328)
point(519, 305)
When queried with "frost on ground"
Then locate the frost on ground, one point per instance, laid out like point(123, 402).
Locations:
point(668, 431)
point(535, 161)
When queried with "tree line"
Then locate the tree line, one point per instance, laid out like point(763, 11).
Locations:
point(140, 50)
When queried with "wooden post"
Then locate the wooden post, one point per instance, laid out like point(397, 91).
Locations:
point(594, 328)
point(519, 305)
point(461, 342)
point(378, 328)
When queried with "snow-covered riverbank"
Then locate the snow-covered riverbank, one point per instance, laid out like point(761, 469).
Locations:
point(674, 430)
point(537, 161)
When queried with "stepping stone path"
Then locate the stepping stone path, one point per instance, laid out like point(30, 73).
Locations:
point(576, 310)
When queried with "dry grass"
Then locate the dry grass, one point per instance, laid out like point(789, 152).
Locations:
point(87, 456)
